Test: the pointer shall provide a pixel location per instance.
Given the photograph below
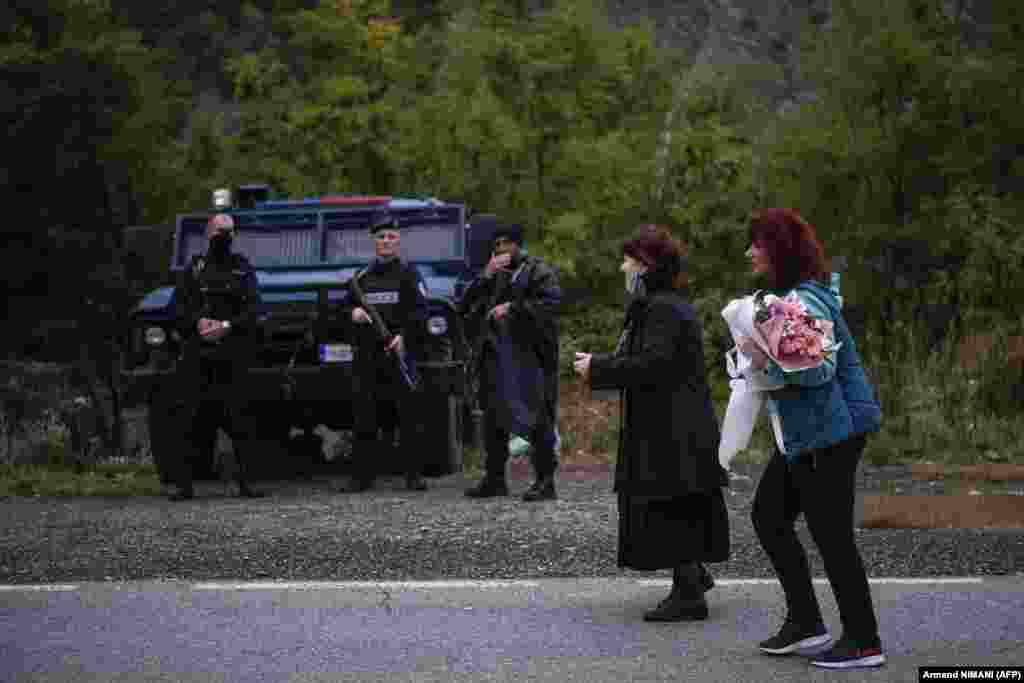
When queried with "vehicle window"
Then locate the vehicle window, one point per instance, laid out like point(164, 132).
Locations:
point(286, 239)
point(430, 242)
point(266, 240)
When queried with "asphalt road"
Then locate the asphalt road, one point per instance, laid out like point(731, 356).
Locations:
point(152, 590)
point(544, 630)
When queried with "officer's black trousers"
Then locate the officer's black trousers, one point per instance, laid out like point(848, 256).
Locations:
point(381, 403)
point(213, 396)
point(542, 437)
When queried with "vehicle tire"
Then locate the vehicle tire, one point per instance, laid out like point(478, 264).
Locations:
point(442, 435)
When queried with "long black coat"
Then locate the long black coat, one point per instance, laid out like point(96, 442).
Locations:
point(668, 445)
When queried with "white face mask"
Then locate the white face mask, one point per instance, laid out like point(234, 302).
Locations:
point(633, 269)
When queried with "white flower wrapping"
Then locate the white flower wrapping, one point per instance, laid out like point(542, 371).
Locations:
point(747, 384)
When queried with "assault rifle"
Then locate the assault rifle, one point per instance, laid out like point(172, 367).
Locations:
point(406, 369)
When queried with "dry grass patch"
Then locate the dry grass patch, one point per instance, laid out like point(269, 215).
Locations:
point(986, 472)
point(588, 427)
point(958, 511)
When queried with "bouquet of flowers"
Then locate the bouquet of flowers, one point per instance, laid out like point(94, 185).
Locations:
point(789, 335)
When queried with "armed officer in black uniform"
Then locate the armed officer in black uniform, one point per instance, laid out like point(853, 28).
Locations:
point(217, 305)
point(395, 290)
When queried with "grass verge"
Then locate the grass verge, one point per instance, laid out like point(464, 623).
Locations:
point(65, 480)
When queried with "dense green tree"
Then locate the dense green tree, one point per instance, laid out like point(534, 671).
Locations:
point(552, 119)
point(319, 113)
point(911, 139)
point(86, 115)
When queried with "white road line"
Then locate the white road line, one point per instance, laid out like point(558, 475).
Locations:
point(374, 585)
point(482, 584)
point(898, 580)
point(441, 584)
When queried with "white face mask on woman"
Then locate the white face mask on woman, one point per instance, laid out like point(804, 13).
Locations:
point(633, 270)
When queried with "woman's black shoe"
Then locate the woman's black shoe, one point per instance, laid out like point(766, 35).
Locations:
point(679, 609)
point(795, 638)
point(707, 582)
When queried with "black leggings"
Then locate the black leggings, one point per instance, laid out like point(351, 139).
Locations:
point(821, 486)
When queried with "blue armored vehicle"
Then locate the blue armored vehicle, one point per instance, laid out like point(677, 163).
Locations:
point(304, 252)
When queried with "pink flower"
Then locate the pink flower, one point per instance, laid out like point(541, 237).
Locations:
point(795, 340)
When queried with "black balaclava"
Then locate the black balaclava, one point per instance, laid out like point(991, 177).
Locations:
point(220, 245)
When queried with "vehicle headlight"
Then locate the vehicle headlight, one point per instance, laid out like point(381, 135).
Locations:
point(437, 324)
point(155, 336)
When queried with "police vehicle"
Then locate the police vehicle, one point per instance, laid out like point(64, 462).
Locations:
point(304, 251)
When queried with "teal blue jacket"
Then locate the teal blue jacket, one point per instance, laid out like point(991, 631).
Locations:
point(828, 404)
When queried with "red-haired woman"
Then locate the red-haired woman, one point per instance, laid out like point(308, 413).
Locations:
point(672, 513)
point(820, 417)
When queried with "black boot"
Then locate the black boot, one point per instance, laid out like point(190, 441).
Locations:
point(686, 601)
point(542, 489)
point(182, 493)
point(707, 582)
point(246, 491)
point(488, 487)
point(182, 483)
point(358, 485)
point(365, 454)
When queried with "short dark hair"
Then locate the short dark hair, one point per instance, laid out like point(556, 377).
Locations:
point(656, 247)
point(794, 252)
point(512, 231)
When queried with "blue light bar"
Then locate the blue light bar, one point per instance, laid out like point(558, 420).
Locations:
point(288, 203)
point(399, 203)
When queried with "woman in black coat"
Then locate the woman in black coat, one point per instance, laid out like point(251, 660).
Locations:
point(672, 512)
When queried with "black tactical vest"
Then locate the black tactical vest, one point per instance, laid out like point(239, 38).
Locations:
point(382, 286)
point(221, 286)
point(222, 295)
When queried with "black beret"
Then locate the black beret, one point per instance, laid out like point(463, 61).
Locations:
point(383, 220)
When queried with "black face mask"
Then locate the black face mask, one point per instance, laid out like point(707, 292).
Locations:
point(220, 244)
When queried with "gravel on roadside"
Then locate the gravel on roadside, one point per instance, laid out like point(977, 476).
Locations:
point(305, 531)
